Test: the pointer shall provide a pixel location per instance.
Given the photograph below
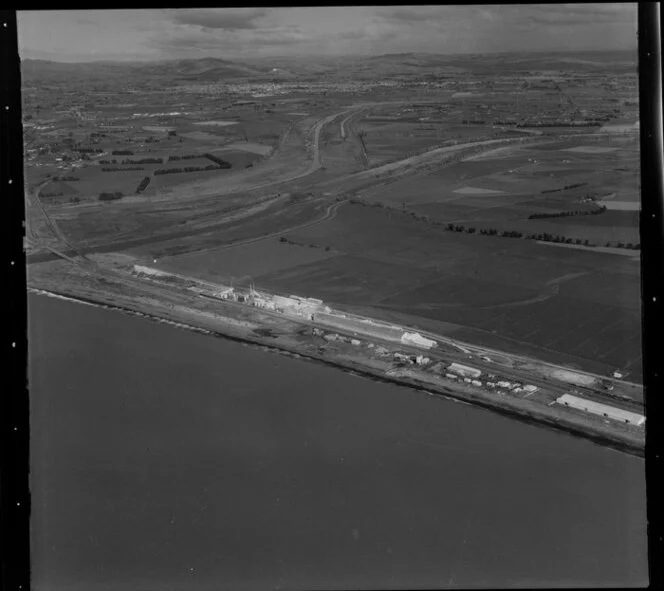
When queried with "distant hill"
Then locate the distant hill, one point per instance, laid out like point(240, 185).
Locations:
point(340, 67)
point(419, 64)
point(206, 69)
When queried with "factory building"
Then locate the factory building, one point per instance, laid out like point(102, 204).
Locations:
point(417, 340)
point(298, 306)
point(602, 410)
point(464, 371)
point(359, 327)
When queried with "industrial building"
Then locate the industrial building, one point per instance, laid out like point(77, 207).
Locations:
point(464, 371)
point(296, 305)
point(417, 340)
point(599, 409)
point(359, 326)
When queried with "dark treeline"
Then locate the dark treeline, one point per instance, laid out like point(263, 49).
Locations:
point(566, 214)
point(143, 185)
point(294, 243)
point(185, 157)
point(126, 168)
point(110, 196)
point(144, 161)
point(186, 169)
point(565, 188)
point(216, 160)
point(451, 227)
point(139, 161)
point(122, 153)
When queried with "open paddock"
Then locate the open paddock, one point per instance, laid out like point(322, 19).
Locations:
point(531, 295)
point(165, 181)
point(236, 228)
point(203, 136)
point(348, 279)
point(93, 182)
point(251, 147)
point(253, 260)
point(559, 326)
point(66, 188)
point(457, 212)
point(622, 206)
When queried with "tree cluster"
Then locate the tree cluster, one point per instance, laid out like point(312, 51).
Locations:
point(116, 169)
point(139, 161)
point(185, 157)
point(294, 243)
point(216, 160)
point(451, 227)
point(186, 169)
point(143, 185)
point(565, 214)
point(110, 196)
point(144, 161)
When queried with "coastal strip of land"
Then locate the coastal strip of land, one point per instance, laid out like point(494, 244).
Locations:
point(285, 335)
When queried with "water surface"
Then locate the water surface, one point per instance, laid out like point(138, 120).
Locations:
point(167, 459)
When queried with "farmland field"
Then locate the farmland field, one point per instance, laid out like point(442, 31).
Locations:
point(255, 259)
point(566, 304)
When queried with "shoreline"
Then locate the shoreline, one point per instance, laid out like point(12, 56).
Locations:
point(514, 409)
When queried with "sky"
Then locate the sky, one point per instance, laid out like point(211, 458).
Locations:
point(234, 33)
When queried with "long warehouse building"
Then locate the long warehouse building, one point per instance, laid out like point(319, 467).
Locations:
point(360, 327)
point(602, 410)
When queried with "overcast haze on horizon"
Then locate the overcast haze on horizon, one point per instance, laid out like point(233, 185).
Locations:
point(234, 33)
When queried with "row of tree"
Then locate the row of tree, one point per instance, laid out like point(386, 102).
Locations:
point(186, 169)
point(143, 185)
point(126, 168)
point(110, 196)
point(294, 243)
point(217, 160)
point(566, 214)
point(185, 157)
point(122, 153)
point(451, 227)
point(139, 161)
point(565, 188)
